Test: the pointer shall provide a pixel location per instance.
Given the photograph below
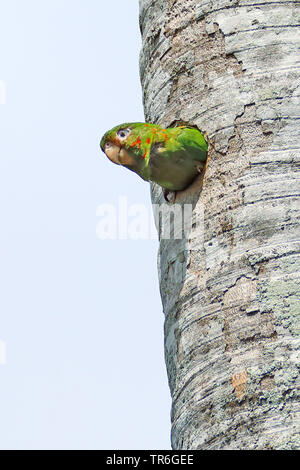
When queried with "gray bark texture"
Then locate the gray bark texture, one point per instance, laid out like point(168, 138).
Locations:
point(230, 287)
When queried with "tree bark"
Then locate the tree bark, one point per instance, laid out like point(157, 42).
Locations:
point(230, 286)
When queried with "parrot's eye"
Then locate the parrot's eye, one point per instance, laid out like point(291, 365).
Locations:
point(123, 133)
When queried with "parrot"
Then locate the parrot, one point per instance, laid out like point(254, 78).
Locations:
point(171, 157)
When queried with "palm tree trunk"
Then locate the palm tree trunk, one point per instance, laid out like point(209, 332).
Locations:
point(230, 287)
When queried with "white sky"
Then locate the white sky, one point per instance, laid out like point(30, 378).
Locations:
point(80, 318)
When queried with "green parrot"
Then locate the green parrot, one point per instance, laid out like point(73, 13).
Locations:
point(170, 157)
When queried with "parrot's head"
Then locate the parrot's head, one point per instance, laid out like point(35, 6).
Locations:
point(117, 145)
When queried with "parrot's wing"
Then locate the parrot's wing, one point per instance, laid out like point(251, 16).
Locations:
point(193, 143)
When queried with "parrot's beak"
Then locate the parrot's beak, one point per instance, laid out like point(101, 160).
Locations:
point(117, 154)
point(112, 152)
